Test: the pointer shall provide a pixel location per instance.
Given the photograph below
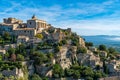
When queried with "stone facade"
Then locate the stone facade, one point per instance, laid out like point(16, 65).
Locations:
point(30, 32)
point(93, 49)
point(113, 66)
point(22, 39)
point(12, 20)
point(103, 53)
point(89, 60)
point(14, 72)
point(18, 28)
point(39, 25)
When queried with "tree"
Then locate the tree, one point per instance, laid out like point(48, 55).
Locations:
point(62, 42)
point(57, 71)
point(97, 67)
point(105, 69)
point(69, 72)
point(35, 77)
point(50, 55)
point(81, 50)
point(40, 36)
point(88, 78)
point(102, 47)
point(57, 49)
point(11, 50)
point(39, 58)
point(20, 57)
point(88, 44)
point(111, 50)
point(1, 57)
point(1, 76)
point(97, 75)
point(75, 41)
point(88, 72)
point(76, 74)
point(6, 36)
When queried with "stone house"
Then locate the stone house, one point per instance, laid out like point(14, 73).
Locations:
point(113, 66)
point(39, 25)
point(93, 49)
point(15, 72)
point(103, 53)
point(17, 27)
point(22, 39)
point(89, 60)
point(2, 51)
point(6, 47)
point(30, 32)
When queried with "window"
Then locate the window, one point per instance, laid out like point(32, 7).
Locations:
point(30, 23)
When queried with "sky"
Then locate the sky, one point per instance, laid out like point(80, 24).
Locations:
point(85, 17)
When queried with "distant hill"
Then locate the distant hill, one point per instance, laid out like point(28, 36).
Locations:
point(109, 41)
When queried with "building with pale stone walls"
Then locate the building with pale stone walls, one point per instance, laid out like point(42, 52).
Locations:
point(17, 27)
point(113, 66)
point(15, 72)
point(39, 25)
point(22, 39)
point(30, 32)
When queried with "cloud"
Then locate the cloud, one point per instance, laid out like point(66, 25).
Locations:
point(83, 18)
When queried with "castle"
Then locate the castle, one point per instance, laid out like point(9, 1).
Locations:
point(16, 27)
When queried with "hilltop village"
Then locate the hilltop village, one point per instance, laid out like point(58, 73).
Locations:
point(38, 51)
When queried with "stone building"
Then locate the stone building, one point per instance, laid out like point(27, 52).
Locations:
point(15, 72)
point(103, 53)
point(89, 60)
point(7, 28)
point(17, 27)
point(113, 66)
point(93, 49)
point(39, 25)
point(22, 39)
point(30, 32)
point(12, 21)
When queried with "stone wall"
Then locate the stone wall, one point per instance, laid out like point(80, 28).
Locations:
point(110, 78)
point(14, 72)
point(30, 32)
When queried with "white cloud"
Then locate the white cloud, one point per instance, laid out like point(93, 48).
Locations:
point(72, 16)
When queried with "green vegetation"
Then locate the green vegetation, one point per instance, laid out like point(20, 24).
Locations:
point(40, 36)
point(44, 45)
point(7, 65)
point(57, 71)
point(102, 47)
point(20, 57)
point(62, 42)
point(57, 49)
point(75, 41)
point(41, 54)
point(6, 38)
point(81, 50)
point(39, 58)
point(35, 77)
point(88, 44)
point(83, 72)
